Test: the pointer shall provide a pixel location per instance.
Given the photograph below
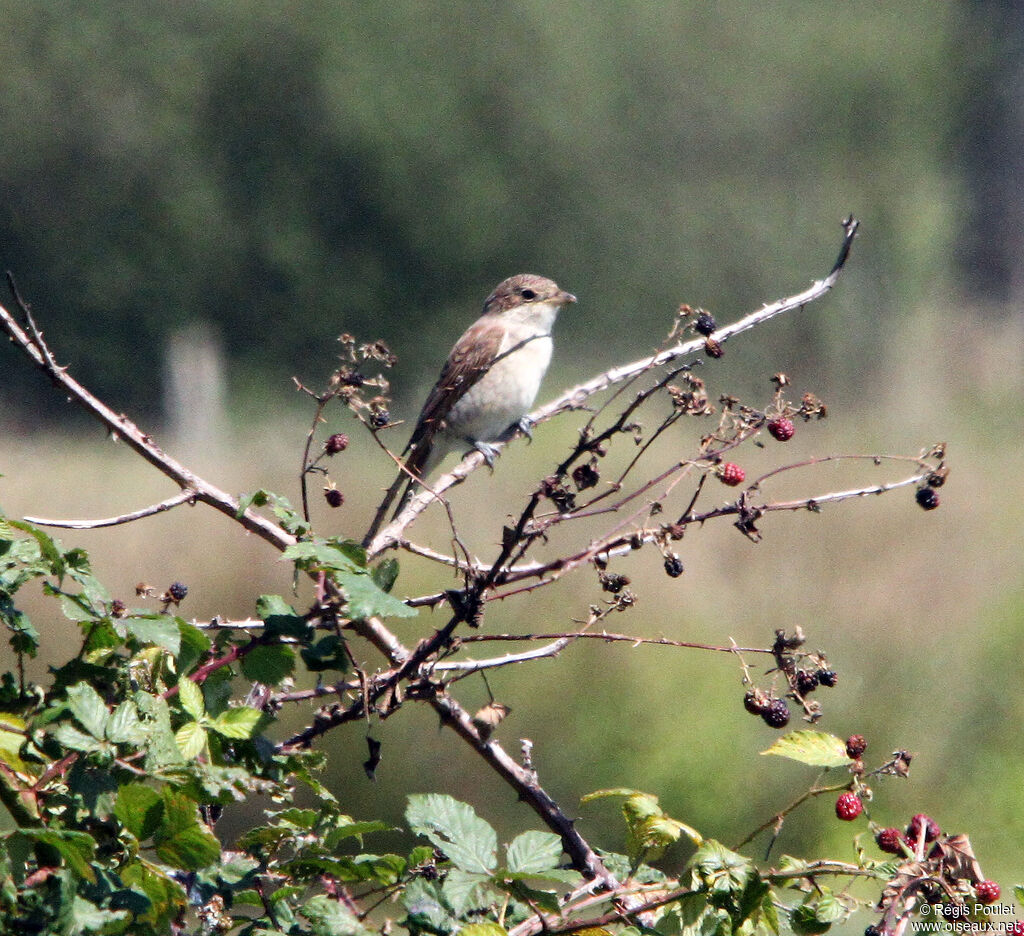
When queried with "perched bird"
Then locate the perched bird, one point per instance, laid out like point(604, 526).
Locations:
point(489, 381)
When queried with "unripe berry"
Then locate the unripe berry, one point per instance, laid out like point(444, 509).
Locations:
point(336, 443)
point(925, 822)
point(849, 806)
point(890, 840)
point(855, 746)
point(988, 891)
point(732, 474)
point(781, 428)
point(754, 702)
point(776, 714)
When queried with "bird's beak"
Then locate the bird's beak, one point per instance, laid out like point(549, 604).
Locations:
point(565, 298)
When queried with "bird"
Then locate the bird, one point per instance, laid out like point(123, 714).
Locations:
point(488, 383)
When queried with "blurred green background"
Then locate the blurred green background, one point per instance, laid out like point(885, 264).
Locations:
point(197, 199)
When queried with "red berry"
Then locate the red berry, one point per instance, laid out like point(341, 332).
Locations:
point(988, 891)
point(336, 443)
point(781, 428)
point(890, 840)
point(732, 474)
point(1017, 929)
point(855, 746)
point(919, 822)
point(776, 714)
point(849, 806)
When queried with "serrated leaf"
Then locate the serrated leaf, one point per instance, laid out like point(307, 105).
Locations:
point(534, 852)
point(269, 664)
point(422, 901)
point(385, 574)
point(191, 697)
point(12, 737)
point(68, 735)
point(194, 646)
point(161, 748)
point(90, 710)
point(191, 740)
point(320, 555)
point(816, 748)
point(469, 842)
point(330, 917)
point(76, 848)
point(140, 808)
point(92, 919)
point(48, 548)
point(161, 630)
point(366, 599)
point(124, 726)
point(181, 840)
point(465, 891)
point(237, 722)
point(488, 929)
point(166, 896)
point(76, 608)
point(280, 617)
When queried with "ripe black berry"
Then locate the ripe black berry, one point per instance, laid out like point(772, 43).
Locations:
point(754, 702)
point(379, 418)
point(849, 806)
point(705, 323)
point(927, 497)
point(613, 582)
point(925, 822)
point(118, 608)
point(806, 681)
point(890, 840)
point(855, 746)
point(776, 714)
point(781, 428)
point(177, 591)
point(673, 566)
point(336, 443)
point(334, 497)
point(585, 476)
point(828, 677)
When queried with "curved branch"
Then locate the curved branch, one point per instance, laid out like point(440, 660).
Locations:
point(185, 497)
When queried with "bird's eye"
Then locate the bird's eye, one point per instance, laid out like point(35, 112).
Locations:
point(528, 294)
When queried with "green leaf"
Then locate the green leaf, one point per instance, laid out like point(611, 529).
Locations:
point(385, 574)
point(90, 710)
point(12, 737)
point(194, 646)
point(330, 917)
point(426, 911)
point(258, 498)
point(181, 840)
point(465, 891)
point(161, 748)
point(486, 929)
point(140, 808)
point(191, 740)
point(68, 735)
point(166, 896)
point(237, 722)
point(365, 598)
point(281, 618)
point(160, 630)
point(76, 608)
point(469, 841)
point(88, 918)
point(804, 921)
point(124, 726)
point(48, 548)
point(724, 871)
point(191, 697)
point(76, 848)
point(816, 748)
point(269, 664)
point(534, 851)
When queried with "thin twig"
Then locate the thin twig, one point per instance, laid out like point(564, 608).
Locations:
point(184, 497)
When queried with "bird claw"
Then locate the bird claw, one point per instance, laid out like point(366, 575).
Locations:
point(489, 452)
point(525, 426)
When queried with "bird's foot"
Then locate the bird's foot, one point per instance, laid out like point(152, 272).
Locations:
point(489, 452)
point(525, 426)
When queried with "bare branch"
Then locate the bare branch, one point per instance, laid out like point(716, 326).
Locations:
point(185, 497)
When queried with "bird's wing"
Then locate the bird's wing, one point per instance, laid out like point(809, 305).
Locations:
point(470, 359)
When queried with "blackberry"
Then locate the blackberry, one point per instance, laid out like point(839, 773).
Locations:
point(177, 591)
point(776, 714)
point(806, 681)
point(705, 323)
point(828, 677)
point(334, 497)
point(585, 476)
point(927, 497)
point(754, 702)
point(673, 566)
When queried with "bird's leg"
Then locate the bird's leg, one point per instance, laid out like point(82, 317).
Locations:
point(525, 426)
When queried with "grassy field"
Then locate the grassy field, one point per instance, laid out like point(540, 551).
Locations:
point(922, 614)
